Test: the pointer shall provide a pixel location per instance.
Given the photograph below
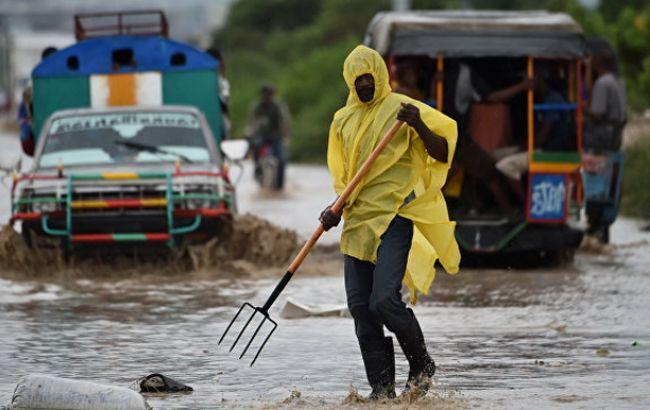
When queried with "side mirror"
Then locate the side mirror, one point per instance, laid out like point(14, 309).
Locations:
point(9, 162)
point(235, 150)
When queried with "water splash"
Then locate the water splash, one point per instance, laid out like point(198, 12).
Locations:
point(253, 245)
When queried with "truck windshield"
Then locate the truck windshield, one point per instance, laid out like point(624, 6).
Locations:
point(110, 138)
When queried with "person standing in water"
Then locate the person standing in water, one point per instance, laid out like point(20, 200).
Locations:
point(606, 118)
point(396, 222)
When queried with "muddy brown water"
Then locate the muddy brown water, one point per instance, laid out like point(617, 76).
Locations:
point(575, 336)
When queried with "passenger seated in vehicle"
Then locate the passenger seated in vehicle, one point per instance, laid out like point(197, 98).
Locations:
point(469, 88)
point(269, 123)
point(553, 129)
point(407, 81)
point(432, 99)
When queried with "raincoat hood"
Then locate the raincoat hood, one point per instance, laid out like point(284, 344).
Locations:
point(363, 60)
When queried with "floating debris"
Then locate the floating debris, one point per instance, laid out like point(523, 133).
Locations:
point(602, 352)
point(295, 310)
point(158, 383)
point(293, 397)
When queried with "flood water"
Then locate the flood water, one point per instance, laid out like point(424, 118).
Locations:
point(576, 336)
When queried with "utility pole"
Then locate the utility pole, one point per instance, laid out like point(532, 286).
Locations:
point(5, 64)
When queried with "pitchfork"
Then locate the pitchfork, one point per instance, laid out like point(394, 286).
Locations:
point(336, 207)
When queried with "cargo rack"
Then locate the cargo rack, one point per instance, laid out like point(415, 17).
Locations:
point(137, 22)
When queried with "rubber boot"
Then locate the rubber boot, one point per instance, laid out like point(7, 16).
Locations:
point(421, 366)
point(379, 361)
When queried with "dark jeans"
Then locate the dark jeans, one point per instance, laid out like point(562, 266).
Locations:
point(374, 290)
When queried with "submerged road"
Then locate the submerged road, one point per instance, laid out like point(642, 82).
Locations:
point(576, 336)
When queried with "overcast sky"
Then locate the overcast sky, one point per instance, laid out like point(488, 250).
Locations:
point(189, 19)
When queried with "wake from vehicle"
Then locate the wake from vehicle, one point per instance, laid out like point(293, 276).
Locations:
point(439, 398)
point(253, 247)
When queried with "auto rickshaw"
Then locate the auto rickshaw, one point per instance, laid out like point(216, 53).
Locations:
point(502, 46)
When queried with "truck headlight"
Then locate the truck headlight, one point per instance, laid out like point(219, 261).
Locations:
point(45, 207)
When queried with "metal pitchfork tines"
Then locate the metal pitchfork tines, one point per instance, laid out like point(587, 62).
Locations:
point(266, 317)
point(264, 310)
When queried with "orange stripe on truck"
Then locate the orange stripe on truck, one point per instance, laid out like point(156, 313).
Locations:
point(120, 203)
point(553, 167)
point(121, 89)
point(120, 175)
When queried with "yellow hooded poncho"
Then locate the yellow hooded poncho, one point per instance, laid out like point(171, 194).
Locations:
point(403, 167)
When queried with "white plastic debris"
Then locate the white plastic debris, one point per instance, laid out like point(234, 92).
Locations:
point(297, 310)
point(36, 391)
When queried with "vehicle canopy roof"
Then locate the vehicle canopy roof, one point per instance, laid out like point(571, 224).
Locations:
point(470, 33)
point(155, 71)
point(151, 53)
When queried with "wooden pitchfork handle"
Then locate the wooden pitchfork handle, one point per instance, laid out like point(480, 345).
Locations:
point(340, 202)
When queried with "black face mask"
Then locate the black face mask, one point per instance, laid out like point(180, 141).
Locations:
point(365, 88)
point(366, 93)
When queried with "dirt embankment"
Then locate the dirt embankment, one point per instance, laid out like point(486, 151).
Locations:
point(254, 248)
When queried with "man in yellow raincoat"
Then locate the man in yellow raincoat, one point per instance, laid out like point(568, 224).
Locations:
point(396, 222)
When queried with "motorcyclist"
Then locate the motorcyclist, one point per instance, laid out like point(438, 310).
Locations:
point(268, 124)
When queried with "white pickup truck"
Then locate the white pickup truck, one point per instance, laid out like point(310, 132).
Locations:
point(126, 176)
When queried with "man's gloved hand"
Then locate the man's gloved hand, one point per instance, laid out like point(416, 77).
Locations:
point(329, 218)
point(410, 114)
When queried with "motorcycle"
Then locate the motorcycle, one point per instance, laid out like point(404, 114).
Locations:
point(269, 164)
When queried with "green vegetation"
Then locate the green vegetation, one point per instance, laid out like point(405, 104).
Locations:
point(300, 45)
point(636, 189)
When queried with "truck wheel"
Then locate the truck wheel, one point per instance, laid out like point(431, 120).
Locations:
point(561, 257)
point(28, 236)
point(604, 235)
point(225, 227)
point(66, 252)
